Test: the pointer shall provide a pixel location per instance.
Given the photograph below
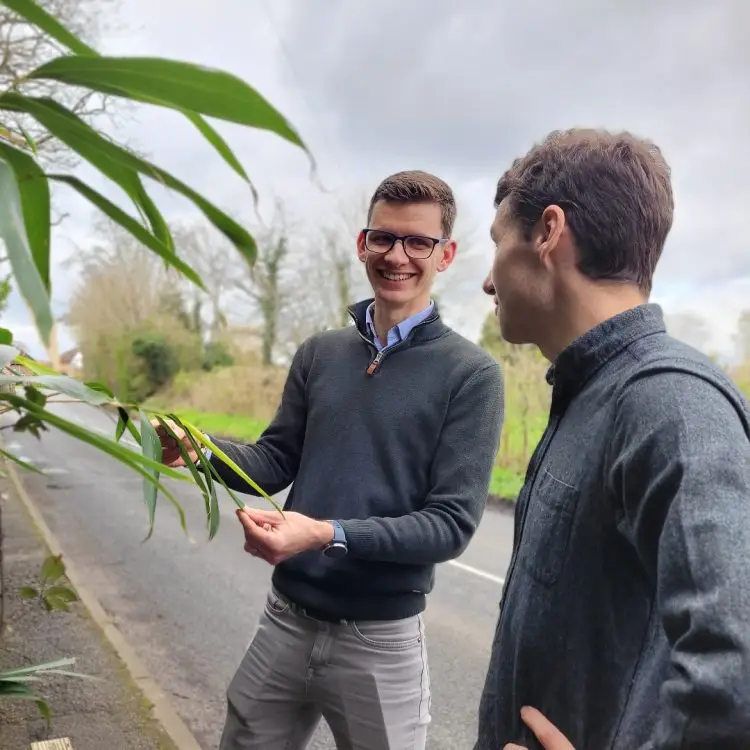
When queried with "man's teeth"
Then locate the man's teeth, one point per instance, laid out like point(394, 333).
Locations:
point(395, 276)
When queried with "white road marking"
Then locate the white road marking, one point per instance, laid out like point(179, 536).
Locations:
point(477, 572)
point(54, 470)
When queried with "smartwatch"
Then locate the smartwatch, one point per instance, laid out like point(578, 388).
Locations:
point(337, 547)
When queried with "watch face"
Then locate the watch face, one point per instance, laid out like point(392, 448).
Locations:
point(336, 549)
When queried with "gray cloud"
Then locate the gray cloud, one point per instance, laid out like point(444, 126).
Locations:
point(467, 87)
point(462, 89)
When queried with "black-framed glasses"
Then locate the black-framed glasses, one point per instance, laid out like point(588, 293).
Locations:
point(416, 246)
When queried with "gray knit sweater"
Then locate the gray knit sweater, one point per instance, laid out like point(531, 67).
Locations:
point(398, 447)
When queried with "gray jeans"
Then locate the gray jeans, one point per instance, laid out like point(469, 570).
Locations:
point(369, 680)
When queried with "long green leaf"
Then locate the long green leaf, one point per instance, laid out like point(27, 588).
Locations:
point(132, 458)
point(75, 133)
point(212, 499)
point(34, 192)
point(222, 148)
point(12, 674)
point(60, 384)
point(128, 223)
point(30, 283)
point(23, 464)
point(121, 165)
point(203, 486)
point(171, 83)
point(35, 367)
point(152, 448)
point(203, 440)
point(39, 17)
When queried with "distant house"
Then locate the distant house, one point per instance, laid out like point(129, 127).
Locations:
point(71, 361)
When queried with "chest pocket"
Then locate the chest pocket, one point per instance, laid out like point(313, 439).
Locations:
point(546, 532)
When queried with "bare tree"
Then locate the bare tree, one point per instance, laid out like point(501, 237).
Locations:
point(218, 265)
point(263, 284)
point(24, 47)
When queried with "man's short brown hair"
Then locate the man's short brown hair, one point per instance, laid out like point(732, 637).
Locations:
point(615, 190)
point(415, 186)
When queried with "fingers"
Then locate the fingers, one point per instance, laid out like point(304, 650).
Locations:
point(271, 517)
point(550, 737)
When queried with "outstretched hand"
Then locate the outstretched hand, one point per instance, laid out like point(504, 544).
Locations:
point(275, 538)
point(549, 736)
point(171, 455)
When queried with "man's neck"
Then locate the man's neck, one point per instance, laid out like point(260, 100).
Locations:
point(388, 316)
point(579, 314)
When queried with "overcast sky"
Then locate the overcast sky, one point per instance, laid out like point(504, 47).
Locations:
point(461, 89)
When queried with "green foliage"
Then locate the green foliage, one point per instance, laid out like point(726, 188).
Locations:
point(216, 354)
point(49, 590)
point(160, 364)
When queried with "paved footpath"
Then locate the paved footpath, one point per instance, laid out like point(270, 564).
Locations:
point(111, 714)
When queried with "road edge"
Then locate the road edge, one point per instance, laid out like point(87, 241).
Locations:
point(161, 708)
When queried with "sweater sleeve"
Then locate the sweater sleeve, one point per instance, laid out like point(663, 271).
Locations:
point(681, 470)
point(460, 477)
point(272, 461)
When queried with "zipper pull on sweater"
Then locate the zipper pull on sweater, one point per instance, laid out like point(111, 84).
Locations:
point(375, 363)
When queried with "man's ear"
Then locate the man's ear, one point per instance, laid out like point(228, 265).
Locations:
point(449, 254)
point(550, 229)
point(361, 249)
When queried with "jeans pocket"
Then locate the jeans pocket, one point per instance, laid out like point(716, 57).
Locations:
point(276, 604)
point(389, 635)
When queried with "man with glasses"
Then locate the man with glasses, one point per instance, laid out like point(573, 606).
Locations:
point(388, 429)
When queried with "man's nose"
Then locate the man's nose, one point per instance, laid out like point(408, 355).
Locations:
point(487, 286)
point(397, 254)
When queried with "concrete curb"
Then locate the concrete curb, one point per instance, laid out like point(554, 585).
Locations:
point(161, 707)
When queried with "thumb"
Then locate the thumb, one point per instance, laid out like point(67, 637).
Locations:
point(549, 736)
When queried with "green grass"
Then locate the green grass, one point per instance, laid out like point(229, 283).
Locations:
point(237, 426)
point(505, 483)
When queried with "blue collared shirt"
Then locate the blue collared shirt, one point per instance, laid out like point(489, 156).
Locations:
point(400, 331)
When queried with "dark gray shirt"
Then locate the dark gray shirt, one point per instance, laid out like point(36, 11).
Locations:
point(626, 613)
point(398, 445)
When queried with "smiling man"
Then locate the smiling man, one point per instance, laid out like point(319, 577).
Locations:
point(388, 430)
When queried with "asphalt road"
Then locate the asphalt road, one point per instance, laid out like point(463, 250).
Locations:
point(189, 607)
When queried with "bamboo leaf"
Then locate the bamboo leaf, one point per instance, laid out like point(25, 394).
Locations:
point(28, 592)
point(36, 367)
point(6, 337)
point(34, 192)
point(203, 440)
point(211, 498)
point(30, 282)
point(16, 460)
point(128, 223)
point(60, 384)
point(152, 449)
point(223, 149)
point(174, 84)
point(120, 165)
point(136, 461)
point(191, 467)
point(37, 16)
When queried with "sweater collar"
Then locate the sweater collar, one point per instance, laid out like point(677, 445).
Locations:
point(431, 327)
